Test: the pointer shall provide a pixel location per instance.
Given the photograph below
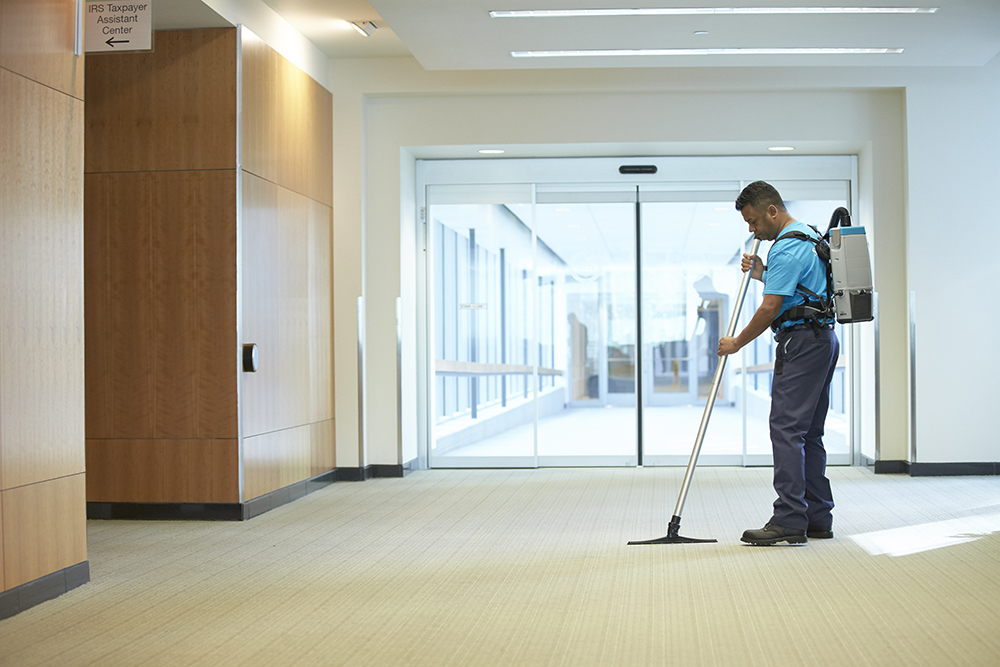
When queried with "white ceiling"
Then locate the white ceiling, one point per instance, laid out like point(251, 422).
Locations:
point(326, 23)
point(460, 35)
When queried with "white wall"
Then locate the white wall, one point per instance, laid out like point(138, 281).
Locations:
point(953, 141)
point(391, 106)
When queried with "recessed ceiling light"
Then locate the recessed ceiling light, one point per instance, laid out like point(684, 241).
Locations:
point(491, 151)
point(781, 148)
point(603, 53)
point(701, 32)
point(681, 11)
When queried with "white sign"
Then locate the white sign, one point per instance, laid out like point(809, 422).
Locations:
point(118, 26)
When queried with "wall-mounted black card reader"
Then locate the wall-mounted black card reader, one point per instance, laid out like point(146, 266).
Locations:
point(249, 357)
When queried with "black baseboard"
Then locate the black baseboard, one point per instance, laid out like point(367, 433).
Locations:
point(933, 469)
point(374, 471)
point(283, 496)
point(211, 511)
point(891, 467)
point(953, 469)
point(248, 509)
point(43, 589)
point(383, 470)
point(166, 511)
point(353, 474)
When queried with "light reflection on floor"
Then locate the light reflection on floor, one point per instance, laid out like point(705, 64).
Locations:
point(927, 536)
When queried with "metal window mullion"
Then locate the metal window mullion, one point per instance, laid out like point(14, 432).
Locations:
point(637, 370)
point(536, 320)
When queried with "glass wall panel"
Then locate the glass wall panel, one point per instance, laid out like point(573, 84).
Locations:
point(484, 336)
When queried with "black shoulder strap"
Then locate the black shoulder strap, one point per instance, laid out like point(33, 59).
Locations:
point(797, 235)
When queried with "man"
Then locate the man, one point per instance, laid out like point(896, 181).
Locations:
point(805, 357)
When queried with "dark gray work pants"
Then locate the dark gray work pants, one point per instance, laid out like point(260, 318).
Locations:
point(800, 397)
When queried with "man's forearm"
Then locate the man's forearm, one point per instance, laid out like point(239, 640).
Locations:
point(759, 323)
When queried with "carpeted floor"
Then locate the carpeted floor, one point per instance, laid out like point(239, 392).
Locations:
point(530, 567)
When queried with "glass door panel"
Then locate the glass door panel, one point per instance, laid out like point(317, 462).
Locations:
point(690, 276)
point(587, 316)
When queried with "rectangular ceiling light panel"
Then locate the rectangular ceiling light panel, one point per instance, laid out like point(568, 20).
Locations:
point(684, 11)
point(584, 53)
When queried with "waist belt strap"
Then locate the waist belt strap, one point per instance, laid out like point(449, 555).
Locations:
point(816, 313)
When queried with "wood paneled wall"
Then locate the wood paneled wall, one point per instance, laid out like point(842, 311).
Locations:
point(42, 520)
point(37, 40)
point(161, 302)
point(172, 109)
point(287, 123)
point(164, 223)
point(132, 471)
point(287, 278)
point(161, 211)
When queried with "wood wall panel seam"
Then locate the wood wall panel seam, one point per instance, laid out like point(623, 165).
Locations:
point(56, 89)
point(159, 171)
point(305, 195)
point(289, 428)
point(42, 481)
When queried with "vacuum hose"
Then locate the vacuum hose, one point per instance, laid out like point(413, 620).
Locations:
point(840, 218)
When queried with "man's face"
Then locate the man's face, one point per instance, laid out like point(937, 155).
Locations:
point(763, 224)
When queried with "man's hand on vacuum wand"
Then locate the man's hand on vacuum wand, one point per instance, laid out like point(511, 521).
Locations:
point(727, 345)
point(753, 261)
point(769, 308)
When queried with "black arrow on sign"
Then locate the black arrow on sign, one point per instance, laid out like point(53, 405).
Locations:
point(112, 41)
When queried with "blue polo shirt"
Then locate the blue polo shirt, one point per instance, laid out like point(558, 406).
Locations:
point(791, 262)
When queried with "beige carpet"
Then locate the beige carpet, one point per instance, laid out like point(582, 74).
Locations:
point(448, 568)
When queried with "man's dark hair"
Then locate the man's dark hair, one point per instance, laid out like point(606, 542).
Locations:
point(760, 195)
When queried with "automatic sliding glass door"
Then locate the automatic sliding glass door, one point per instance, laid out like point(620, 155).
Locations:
point(554, 304)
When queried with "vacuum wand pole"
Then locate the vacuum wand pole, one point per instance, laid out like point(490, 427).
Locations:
point(720, 369)
point(673, 528)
